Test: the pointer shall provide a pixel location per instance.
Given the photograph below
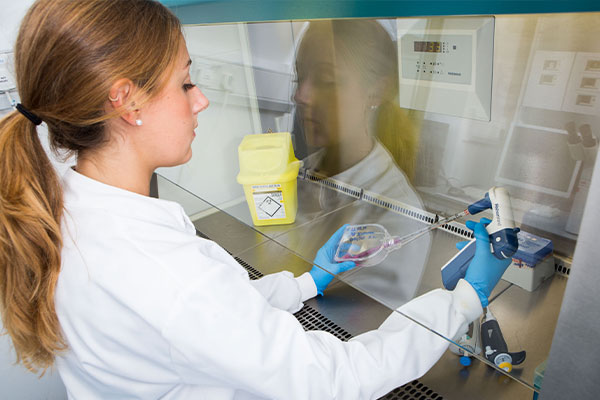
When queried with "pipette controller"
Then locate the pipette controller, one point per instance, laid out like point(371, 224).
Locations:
point(503, 236)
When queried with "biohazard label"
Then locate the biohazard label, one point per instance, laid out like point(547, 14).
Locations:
point(268, 200)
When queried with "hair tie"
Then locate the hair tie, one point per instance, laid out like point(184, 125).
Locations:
point(28, 114)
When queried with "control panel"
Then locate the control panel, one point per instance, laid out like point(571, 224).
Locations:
point(438, 58)
point(445, 65)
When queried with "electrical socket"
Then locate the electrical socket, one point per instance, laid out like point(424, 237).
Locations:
point(7, 81)
point(4, 59)
point(227, 81)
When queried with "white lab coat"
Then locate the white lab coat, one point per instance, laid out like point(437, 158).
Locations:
point(377, 173)
point(150, 310)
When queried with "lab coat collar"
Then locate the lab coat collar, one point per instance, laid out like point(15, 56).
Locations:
point(83, 192)
point(376, 163)
point(369, 169)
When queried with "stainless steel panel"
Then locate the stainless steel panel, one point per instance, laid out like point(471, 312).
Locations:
point(572, 370)
point(232, 234)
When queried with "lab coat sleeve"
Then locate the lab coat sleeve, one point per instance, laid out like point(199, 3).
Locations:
point(285, 292)
point(222, 332)
point(405, 346)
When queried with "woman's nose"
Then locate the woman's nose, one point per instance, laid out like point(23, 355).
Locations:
point(200, 101)
point(303, 92)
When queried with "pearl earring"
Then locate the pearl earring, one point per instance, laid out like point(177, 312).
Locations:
point(138, 122)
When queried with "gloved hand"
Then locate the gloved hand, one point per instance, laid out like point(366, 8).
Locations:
point(485, 270)
point(326, 267)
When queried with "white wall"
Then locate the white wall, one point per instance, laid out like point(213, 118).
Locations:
point(16, 383)
point(222, 69)
point(11, 13)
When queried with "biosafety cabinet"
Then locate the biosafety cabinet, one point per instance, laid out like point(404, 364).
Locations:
point(400, 114)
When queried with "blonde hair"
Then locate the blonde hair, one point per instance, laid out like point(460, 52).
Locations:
point(365, 44)
point(67, 56)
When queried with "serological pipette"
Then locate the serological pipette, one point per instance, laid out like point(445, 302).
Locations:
point(369, 244)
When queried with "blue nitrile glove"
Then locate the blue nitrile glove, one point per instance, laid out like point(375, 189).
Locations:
point(485, 270)
point(325, 266)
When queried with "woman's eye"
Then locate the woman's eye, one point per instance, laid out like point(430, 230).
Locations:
point(188, 86)
point(325, 79)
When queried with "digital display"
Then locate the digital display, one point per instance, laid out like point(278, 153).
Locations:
point(428, 47)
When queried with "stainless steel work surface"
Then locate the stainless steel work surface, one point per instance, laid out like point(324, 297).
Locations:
point(229, 232)
point(528, 320)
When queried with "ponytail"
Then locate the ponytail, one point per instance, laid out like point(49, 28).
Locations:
point(68, 54)
point(31, 207)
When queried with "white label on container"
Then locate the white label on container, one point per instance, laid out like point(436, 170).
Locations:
point(268, 201)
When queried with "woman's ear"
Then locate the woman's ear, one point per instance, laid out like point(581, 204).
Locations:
point(377, 92)
point(120, 97)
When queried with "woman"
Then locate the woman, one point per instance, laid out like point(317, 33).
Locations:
point(114, 286)
point(347, 106)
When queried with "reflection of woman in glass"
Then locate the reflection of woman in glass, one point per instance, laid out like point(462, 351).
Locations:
point(347, 107)
point(356, 133)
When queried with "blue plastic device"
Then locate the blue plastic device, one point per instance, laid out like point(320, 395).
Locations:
point(456, 268)
point(503, 235)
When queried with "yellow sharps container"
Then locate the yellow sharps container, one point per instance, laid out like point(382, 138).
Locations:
point(268, 172)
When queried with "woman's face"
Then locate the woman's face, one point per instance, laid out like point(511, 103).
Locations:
point(331, 101)
point(170, 118)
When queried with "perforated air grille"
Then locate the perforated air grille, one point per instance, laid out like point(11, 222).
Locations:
point(331, 183)
point(311, 319)
point(252, 272)
point(561, 268)
point(385, 202)
point(414, 390)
